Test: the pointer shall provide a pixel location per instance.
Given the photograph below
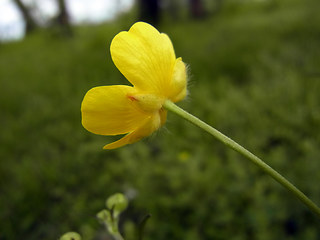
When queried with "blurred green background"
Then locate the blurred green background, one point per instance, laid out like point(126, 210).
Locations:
point(254, 74)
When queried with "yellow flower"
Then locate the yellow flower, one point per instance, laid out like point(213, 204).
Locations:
point(147, 59)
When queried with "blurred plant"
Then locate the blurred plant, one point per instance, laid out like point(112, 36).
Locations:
point(115, 205)
point(110, 217)
point(71, 236)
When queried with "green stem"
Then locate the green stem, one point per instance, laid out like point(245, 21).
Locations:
point(116, 233)
point(118, 236)
point(235, 146)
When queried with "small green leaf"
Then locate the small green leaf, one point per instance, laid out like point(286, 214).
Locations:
point(117, 202)
point(70, 236)
point(104, 216)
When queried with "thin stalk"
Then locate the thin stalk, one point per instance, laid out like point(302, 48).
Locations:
point(235, 146)
point(118, 236)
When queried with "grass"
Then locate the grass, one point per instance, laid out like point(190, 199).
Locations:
point(254, 75)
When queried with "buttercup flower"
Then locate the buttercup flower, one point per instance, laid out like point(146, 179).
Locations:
point(147, 59)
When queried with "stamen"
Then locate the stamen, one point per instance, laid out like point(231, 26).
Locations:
point(132, 98)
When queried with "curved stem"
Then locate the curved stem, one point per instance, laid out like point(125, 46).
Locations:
point(235, 146)
point(118, 236)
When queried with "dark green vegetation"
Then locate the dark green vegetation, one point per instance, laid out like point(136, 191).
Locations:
point(254, 75)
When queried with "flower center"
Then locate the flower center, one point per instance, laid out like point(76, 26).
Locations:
point(147, 102)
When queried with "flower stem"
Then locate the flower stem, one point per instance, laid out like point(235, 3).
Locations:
point(235, 146)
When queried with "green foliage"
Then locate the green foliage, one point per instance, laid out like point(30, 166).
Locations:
point(115, 204)
point(71, 236)
point(254, 75)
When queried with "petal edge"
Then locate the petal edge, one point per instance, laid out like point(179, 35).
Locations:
point(143, 131)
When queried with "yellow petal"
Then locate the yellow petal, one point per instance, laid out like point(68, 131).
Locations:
point(107, 110)
point(178, 89)
point(148, 127)
point(145, 57)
